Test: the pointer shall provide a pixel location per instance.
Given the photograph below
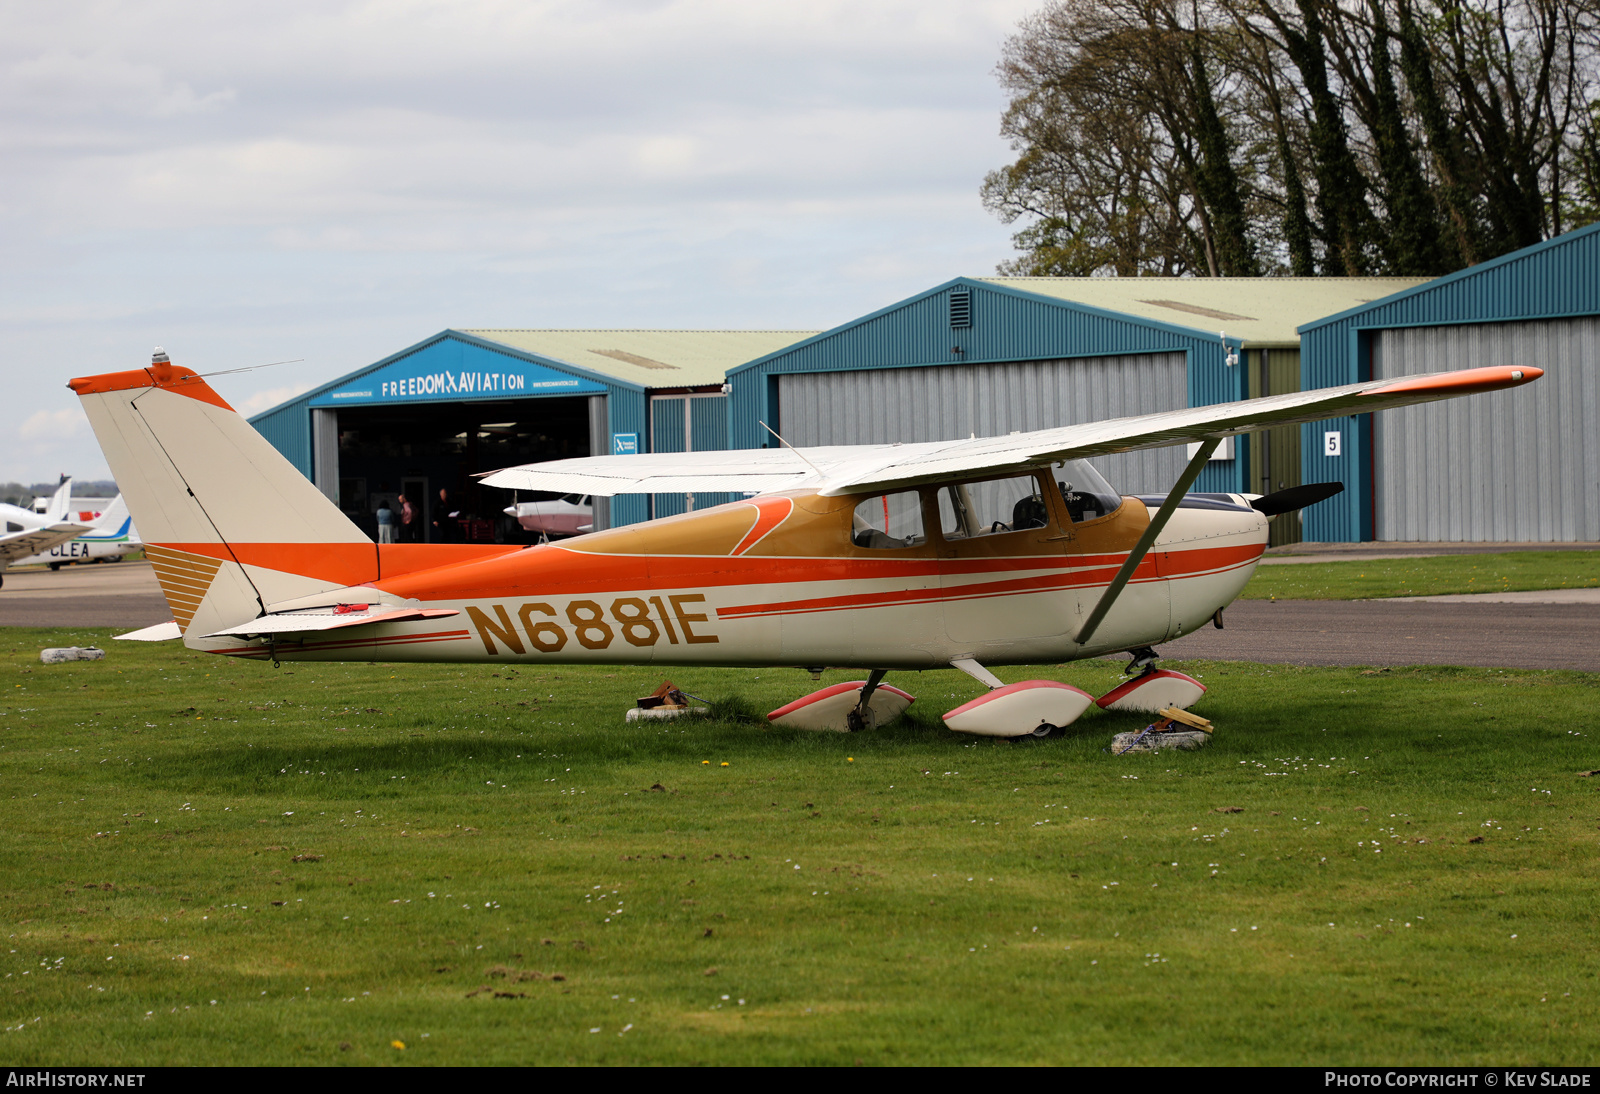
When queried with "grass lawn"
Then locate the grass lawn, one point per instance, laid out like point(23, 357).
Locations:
point(1513, 571)
point(221, 863)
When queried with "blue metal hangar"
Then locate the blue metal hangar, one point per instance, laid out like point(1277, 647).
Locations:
point(463, 401)
point(988, 356)
point(1513, 466)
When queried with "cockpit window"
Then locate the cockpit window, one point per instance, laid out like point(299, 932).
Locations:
point(888, 521)
point(1087, 494)
point(972, 509)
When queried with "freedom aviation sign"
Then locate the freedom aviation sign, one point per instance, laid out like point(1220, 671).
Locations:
point(449, 370)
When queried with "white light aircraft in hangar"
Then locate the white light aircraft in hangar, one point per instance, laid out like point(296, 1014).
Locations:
point(970, 554)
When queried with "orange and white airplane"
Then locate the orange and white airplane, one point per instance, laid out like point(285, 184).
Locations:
point(988, 551)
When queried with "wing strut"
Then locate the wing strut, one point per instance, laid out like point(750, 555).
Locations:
point(1140, 549)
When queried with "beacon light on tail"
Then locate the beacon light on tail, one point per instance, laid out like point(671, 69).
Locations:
point(989, 551)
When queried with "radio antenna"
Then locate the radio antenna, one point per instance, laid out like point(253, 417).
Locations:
point(791, 448)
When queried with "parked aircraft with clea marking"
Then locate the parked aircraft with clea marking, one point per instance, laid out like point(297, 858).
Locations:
point(971, 553)
point(28, 533)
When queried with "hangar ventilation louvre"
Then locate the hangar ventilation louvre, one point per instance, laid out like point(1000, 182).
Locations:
point(1195, 309)
point(632, 358)
point(960, 309)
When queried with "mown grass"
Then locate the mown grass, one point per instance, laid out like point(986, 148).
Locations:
point(901, 896)
point(1437, 575)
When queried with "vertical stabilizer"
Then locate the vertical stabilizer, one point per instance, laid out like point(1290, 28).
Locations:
point(114, 523)
point(60, 502)
point(229, 525)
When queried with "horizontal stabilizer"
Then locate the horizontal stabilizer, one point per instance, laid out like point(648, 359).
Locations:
point(161, 632)
point(308, 622)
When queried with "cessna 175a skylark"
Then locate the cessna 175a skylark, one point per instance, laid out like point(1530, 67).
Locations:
point(988, 551)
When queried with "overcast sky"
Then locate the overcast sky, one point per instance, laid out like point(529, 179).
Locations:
point(244, 183)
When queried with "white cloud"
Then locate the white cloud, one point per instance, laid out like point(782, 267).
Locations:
point(269, 398)
point(54, 425)
point(336, 180)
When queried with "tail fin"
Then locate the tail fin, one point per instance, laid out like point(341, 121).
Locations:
point(60, 502)
point(231, 527)
point(114, 524)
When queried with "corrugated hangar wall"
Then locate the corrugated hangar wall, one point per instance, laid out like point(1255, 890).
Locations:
point(1510, 466)
point(968, 357)
point(928, 404)
point(1518, 466)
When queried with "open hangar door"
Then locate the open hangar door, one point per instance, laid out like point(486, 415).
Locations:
point(369, 454)
point(1274, 462)
point(949, 402)
point(1510, 466)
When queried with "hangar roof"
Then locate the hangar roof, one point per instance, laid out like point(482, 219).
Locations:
point(1264, 311)
point(650, 358)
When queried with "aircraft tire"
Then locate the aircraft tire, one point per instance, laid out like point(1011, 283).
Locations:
point(54, 566)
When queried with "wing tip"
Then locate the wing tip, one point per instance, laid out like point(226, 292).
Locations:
point(1461, 382)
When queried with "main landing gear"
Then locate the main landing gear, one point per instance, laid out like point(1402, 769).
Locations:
point(846, 708)
point(1034, 709)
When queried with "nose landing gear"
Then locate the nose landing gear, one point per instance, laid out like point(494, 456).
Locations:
point(1143, 660)
point(1151, 689)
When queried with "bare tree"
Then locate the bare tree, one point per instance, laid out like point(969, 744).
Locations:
point(1229, 137)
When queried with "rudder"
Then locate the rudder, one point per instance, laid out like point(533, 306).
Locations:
point(230, 526)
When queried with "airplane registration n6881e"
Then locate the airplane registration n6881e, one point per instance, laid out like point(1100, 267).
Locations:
point(988, 551)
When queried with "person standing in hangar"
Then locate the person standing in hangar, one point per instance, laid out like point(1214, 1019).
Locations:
point(447, 523)
point(385, 517)
point(409, 525)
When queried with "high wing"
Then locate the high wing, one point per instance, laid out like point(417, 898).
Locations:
point(34, 541)
point(862, 468)
point(750, 470)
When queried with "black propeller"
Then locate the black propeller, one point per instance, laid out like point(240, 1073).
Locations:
point(1296, 497)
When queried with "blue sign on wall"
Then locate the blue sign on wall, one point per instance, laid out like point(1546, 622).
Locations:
point(449, 370)
point(624, 444)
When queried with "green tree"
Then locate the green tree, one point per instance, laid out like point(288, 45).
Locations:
point(1227, 137)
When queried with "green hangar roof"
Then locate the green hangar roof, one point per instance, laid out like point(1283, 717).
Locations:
point(457, 365)
point(1263, 311)
point(649, 358)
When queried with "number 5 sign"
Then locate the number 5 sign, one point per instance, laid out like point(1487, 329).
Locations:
point(1332, 443)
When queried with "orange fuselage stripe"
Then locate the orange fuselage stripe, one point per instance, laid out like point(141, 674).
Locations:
point(1209, 560)
point(451, 573)
point(347, 563)
point(770, 512)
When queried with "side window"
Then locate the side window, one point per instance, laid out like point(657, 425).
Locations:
point(887, 521)
point(991, 507)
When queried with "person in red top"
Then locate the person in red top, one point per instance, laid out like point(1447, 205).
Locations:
point(408, 521)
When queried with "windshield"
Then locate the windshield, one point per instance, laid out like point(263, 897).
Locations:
point(1087, 494)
